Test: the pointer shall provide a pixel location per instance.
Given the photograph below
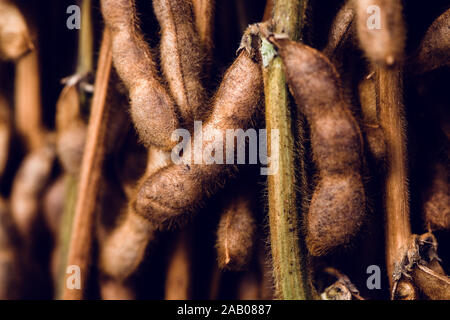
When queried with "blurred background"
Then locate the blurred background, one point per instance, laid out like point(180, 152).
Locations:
point(32, 242)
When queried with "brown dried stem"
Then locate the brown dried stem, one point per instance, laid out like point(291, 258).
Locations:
point(392, 121)
point(81, 238)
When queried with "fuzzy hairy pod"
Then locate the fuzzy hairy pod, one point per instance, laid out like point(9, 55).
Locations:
point(152, 108)
point(432, 281)
point(70, 147)
point(236, 232)
point(123, 250)
point(341, 30)
point(9, 262)
point(436, 208)
point(420, 269)
point(341, 289)
point(337, 208)
point(182, 56)
point(434, 49)
point(381, 30)
point(165, 191)
point(5, 133)
point(371, 125)
point(185, 186)
point(28, 185)
point(14, 36)
point(337, 291)
point(71, 130)
point(405, 291)
point(67, 108)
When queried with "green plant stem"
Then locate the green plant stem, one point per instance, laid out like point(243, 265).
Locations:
point(288, 255)
point(86, 41)
point(71, 185)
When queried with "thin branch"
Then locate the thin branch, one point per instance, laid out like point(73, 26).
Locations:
point(86, 41)
point(81, 238)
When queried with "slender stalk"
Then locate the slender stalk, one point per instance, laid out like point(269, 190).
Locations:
point(81, 238)
point(84, 67)
point(289, 262)
point(65, 229)
point(392, 121)
point(86, 41)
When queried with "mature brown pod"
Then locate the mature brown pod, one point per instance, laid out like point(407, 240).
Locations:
point(185, 186)
point(420, 269)
point(381, 30)
point(165, 191)
point(236, 232)
point(182, 56)
point(123, 250)
point(434, 49)
point(71, 127)
point(337, 208)
point(436, 208)
point(341, 289)
point(182, 63)
point(28, 186)
point(405, 291)
point(111, 207)
point(152, 109)
point(340, 31)
point(9, 263)
point(14, 36)
point(70, 130)
point(432, 281)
